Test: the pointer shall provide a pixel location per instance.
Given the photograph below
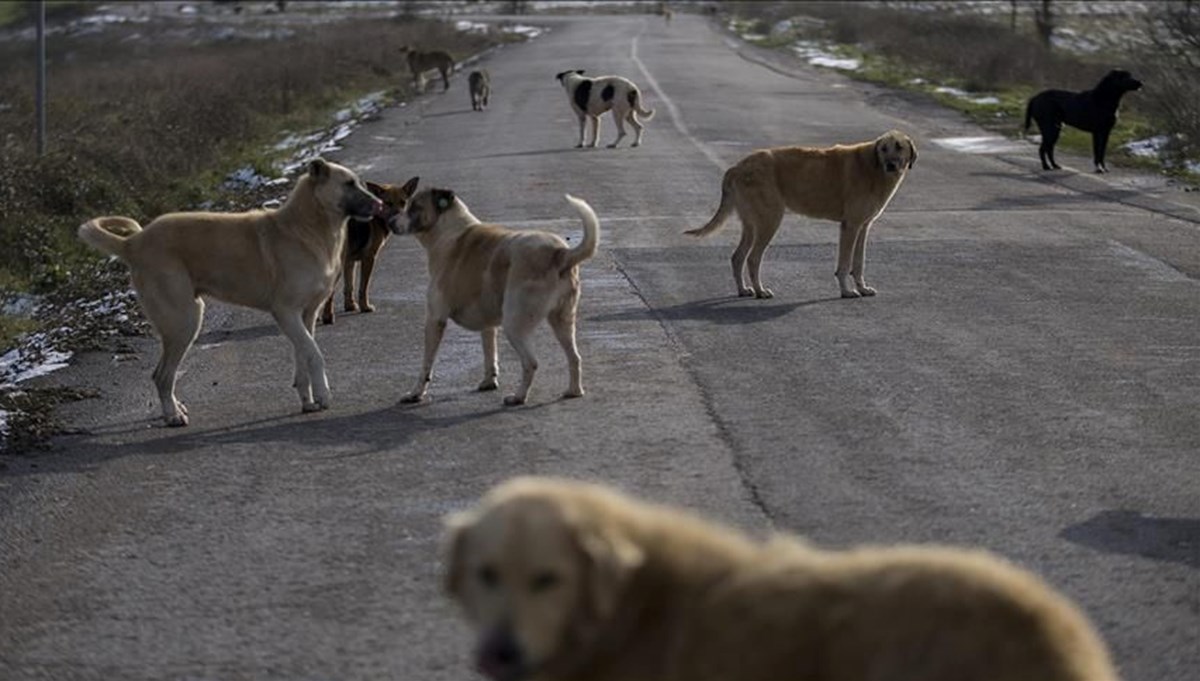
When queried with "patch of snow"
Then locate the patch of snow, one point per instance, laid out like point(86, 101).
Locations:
point(917, 81)
point(782, 27)
point(19, 305)
point(753, 36)
point(1192, 167)
point(814, 54)
point(1150, 147)
point(3, 427)
point(963, 94)
point(530, 32)
point(470, 27)
point(35, 357)
point(989, 144)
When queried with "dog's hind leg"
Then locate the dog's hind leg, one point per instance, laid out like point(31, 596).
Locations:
point(519, 323)
point(760, 214)
point(327, 310)
point(619, 117)
point(637, 128)
point(434, 329)
point(858, 270)
point(1046, 150)
point(562, 321)
point(310, 381)
point(177, 314)
point(738, 261)
point(595, 130)
point(491, 362)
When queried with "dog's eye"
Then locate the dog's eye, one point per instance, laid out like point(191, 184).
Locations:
point(489, 577)
point(543, 581)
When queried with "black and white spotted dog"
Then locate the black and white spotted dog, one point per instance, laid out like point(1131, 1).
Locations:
point(591, 97)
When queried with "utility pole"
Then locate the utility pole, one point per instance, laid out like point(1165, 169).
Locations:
point(41, 77)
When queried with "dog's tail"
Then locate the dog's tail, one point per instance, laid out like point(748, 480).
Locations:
point(635, 101)
point(591, 234)
point(723, 210)
point(110, 234)
point(1028, 115)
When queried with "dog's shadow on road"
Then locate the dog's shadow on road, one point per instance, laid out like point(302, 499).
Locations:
point(1175, 540)
point(724, 311)
point(534, 152)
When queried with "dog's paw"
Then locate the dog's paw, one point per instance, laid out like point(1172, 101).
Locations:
point(513, 400)
point(366, 307)
point(745, 293)
point(866, 291)
point(325, 319)
point(612, 146)
point(579, 146)
point(764, 293)
point(178, 420)
point(350, 306)
point(412, 398)
point(636, 144)
point(572, 393)
point(490, 383)
point(851, 294)
point(311, 407)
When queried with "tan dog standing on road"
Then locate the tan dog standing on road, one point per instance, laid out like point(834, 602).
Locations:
point(281, 261)
point(850, 185)
point(419, 62)
point(566, 581)
point(591, 97)
point(485, 276)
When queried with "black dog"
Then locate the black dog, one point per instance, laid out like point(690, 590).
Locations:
point(1093, 111)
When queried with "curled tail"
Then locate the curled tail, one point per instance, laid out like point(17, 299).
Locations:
point(714, 223)
point(591, 234)
point(109, 234)
point(635, 101)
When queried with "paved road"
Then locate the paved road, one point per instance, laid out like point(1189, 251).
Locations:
point(1027, 380)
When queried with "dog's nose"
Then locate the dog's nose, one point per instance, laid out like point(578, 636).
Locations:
point(500, 656)
point(890, 167)
point(378, 208)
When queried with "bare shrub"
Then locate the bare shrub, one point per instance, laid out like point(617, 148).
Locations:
point(1173, 71)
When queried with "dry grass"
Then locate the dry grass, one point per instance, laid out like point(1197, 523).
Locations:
point(142, 130)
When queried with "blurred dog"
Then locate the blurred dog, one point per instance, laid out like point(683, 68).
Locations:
point(364, 241)
point(1093, 111)
point(281, 261)
point(480, 84)
point(566, 580)
point(420, 62)
point(485, 276)
point(591, 97)
point(850, 185)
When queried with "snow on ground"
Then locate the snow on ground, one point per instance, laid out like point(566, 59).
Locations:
point(963, 94)
point(1149, 147)
point(817, 55)
point(987, 144)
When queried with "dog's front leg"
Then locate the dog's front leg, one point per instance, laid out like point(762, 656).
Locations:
point(491, 361)
point(434, 328)
point(595, 131)
point(847, 236)
point(582, 130)
point(1099, 147)
point(311, 383)
point(860, 261)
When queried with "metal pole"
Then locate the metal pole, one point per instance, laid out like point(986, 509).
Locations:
point(41, 77)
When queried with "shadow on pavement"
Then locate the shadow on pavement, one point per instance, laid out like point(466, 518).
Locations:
point(717, 310)
point(1175, 540)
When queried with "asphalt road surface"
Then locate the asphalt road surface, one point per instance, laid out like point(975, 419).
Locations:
point(1027, 380)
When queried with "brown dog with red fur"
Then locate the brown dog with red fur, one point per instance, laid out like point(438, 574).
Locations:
point(364, 241)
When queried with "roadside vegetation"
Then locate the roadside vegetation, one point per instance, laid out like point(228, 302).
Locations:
point(146, 119)
point(988, 59)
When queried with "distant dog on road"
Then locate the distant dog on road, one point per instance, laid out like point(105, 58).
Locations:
point(850, 185)
point(591, 97)
point(420, 62)
point(364, 241)
point(485, 276)
point(1093, 111)
point(280, 261)
point(480, 84)
point(566, 580)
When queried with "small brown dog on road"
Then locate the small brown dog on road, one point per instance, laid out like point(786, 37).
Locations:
point(485, 276)
point(566, 581)
point(480, 85)
point(281, 261)
point(364, 241)
point(850, 185)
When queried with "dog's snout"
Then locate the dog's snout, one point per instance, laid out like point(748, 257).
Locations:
point(891, 166)
point(500, 656)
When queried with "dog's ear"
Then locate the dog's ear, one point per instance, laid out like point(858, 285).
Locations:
point(410, 187)
point(453, 545)
point(579, 71)
point(912, 152)
point(442, 199)
point(610, 561)
point(318, 169)
point(878, 149)
point(377, 189)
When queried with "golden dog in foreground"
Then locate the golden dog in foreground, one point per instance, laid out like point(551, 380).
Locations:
point(571, 581)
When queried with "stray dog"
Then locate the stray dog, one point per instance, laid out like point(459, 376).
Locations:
point(364, 241)
point(1093, 111)
point(280, 261)
point(486, 276)
point(850, 185)
point(420, 62)
point(565, 580)
point(591, 97)
point(480, 84)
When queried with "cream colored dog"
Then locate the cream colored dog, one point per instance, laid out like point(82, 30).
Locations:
point(485, 276)
point(591, 97)
point(850, 185)
point(571, 581)
point(283, 262)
